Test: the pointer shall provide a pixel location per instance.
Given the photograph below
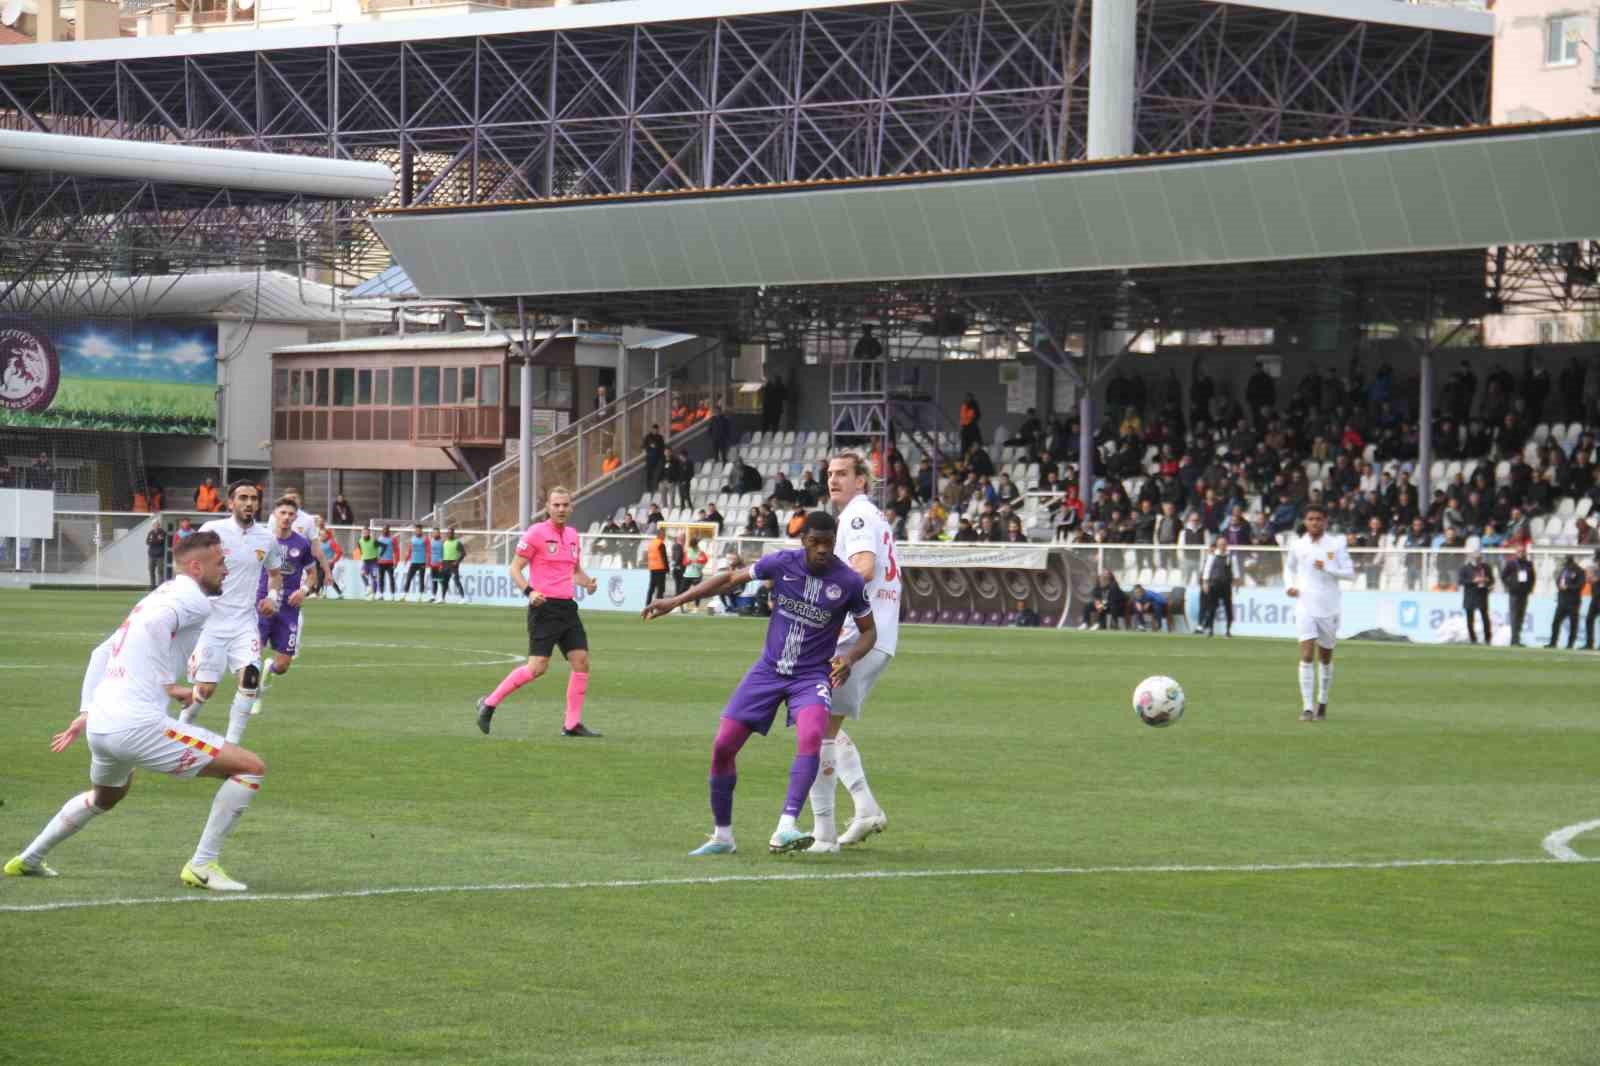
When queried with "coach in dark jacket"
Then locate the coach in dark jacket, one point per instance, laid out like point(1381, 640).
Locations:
point(1569, 593)
point(1216, 588)
point(1476, 579)
point(1518, 577)
point(1107, 603)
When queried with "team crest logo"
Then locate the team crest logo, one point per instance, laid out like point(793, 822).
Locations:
point(857, 522)
point(29, 371)
point(294, 553)
point(1330, 557)
point(833, 592)
point(261, 555)
point(551, 547)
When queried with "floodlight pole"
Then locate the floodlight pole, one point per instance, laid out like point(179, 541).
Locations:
point(524, 431)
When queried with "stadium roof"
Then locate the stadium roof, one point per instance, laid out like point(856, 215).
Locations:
point(628, 12)
point(270, 296)
point(1214, 238)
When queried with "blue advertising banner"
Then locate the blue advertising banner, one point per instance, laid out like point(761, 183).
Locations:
point(1425, 617)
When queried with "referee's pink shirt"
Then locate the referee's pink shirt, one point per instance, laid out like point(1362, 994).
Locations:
point(552, 557)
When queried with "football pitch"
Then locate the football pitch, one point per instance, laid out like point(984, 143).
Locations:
point(1058, 883)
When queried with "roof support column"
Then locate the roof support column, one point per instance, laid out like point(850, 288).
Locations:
point(1425, 422)
point(1113, 71)
point(1091, 344)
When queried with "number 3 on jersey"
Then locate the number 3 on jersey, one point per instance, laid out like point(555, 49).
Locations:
point(894, 568)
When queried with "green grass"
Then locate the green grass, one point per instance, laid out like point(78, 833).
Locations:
point(991, 751)
point(129, 406)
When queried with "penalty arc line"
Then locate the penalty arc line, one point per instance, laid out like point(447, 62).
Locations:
point(1558, 844)
point(736, 879)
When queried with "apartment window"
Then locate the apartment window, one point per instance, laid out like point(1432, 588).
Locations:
point(427, 386)
point(403, 376)
point(448, 394)
point(322, 387)
point(469, 384)
point(489, 395)
point(280, 388)
point(1564, 35)
point(1551, 331)
point(364, 388)
point(380, 388)
point(344, 386)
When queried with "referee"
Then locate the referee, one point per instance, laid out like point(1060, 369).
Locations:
point(546, 570)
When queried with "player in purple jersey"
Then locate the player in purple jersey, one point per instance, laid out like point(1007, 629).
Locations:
point(812, 592)
point(280, 631)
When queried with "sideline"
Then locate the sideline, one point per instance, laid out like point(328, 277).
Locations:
point(781, 878)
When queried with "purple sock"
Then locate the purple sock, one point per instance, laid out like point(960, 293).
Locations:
point(722, 798)
point(802, 774)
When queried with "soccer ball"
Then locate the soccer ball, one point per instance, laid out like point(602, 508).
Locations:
point(1158, 701)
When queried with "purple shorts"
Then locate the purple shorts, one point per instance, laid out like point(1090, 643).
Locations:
point(755, 701)
point(369, 568)
point(281, 631)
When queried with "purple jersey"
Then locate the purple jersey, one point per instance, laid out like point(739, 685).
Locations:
point(808, 611)
point(297, 559)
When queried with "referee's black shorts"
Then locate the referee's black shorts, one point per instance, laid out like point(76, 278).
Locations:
point(555, 623)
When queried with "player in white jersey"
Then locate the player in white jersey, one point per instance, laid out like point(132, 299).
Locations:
point(866, 543)
point(231, 640)
point(1315, 564)
point(129, 728)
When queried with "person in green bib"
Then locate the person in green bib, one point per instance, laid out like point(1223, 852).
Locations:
point(454, 553)
point(370, 550)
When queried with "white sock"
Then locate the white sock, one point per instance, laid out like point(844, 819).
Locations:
point(823, 789)
point(855, 777)
point(267, 671)
point(1325, 677)
point(226, 807)
point(722, 834)
point(73, 816)
point(785, 823)
point(1308, 681)
point(192, 711)
point(239, 716)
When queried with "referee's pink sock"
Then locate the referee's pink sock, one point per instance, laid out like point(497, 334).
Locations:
point(577, 685)
point(514, 680)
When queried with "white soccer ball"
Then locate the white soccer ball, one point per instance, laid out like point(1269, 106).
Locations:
point(1158, 701)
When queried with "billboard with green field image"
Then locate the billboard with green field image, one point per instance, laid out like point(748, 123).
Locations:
point(130, 377)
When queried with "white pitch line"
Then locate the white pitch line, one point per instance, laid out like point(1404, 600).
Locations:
point(1557, 843)
point(736, 879)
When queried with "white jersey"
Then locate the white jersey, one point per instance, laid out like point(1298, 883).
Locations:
point(305, 524)
point(862, 528)
point(248, 552)
point(147, 654)
point(1320, 595)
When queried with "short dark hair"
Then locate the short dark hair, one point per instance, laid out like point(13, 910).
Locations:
point(1316, 508)
point(242, 483)
point(286, 501)
point(195, 542)
point(819, 522)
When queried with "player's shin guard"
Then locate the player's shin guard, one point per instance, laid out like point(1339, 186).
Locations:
point(577, 685)
point(1308, 681)
point(231, 800)
point(244, 703)
point(1325, 681)
point(808, 729)
point(73, 816)
point(854, 776)
point(823, 826)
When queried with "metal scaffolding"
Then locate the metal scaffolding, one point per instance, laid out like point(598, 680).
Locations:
point(781, 96)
